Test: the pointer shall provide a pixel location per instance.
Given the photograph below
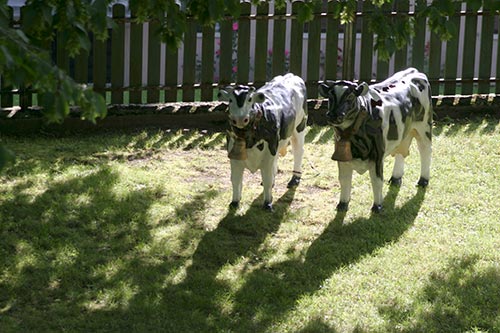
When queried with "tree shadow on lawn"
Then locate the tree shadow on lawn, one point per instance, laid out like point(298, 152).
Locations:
point(460, 298)
point(54, 245)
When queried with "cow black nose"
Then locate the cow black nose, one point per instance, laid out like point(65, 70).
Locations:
point(245, 120)
point(234, 122)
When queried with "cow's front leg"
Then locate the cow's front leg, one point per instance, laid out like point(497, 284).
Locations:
point(237, 168)
point(377, 185)
point(298, 139)
point(268, 172)
point(345, 180)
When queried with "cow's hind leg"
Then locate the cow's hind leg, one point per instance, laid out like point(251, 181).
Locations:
point(298, 139)
point(268, 174)
point(377, 185)
point(424, 142)
point(399, 161)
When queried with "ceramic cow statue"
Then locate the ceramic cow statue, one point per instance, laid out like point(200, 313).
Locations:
point(374, 121)
point(262, 124)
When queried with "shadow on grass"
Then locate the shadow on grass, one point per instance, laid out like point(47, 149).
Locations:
point(271, 292)
point(461, 298)
point(59, 247)
point(236, 237)
point(453, 127)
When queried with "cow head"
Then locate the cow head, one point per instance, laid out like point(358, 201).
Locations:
point(241, 101)
point(343, 104)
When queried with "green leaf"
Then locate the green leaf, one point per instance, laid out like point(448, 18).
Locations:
point(305, 13)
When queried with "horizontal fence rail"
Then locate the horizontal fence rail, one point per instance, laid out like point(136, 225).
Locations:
point(264, 42)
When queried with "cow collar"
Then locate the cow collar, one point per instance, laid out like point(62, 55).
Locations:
point(343, 137)
point(242, 136)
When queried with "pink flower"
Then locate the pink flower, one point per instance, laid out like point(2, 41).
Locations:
point(217, 52)
point(235, 69)
point(270, 52)
point(287, 53)
point(235, 26)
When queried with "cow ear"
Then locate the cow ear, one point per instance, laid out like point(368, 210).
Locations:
point(324, 89)
point(362, 89)
point(223, 96)
point(258, 97)
point(225, 93)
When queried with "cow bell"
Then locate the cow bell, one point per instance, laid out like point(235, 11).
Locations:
point(239, 150)
point(342, 151)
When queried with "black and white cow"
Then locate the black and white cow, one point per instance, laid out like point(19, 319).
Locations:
point(263, 123)
point(374, 121)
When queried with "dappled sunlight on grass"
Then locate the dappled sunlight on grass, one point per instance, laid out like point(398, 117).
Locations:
point(132, 232)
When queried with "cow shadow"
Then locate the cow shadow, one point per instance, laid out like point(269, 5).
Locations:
point(277, 287)
point(237, 237)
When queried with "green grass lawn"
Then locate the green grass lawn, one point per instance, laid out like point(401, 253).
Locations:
point(124, 232)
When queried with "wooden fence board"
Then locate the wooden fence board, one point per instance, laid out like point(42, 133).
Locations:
point(401, 55)
point(497, 85)
point(418, 44)
point(154, 53)
point(26, 96)
point(332, 53)
point(260, 56)
point(99, 66)
point(313, 54)
point(451, 62)
point(118, 54)
point(226, 52)
point(135, 62)
point(296, 41)
point(365, 71)
point(469, 52)
point(485, 56)
point(189, 62)
point(435, 63)
point(243, 30)
point(207, 63)
point(6, 95)
point(278, 47)
point(383, 65)
point(171, 80)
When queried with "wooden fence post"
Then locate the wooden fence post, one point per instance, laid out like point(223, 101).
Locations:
point(243, 30)
point(260, 57)
point(313, 53)
point(118, 54)
point(332, 53)
point(296, 41)
point(207, 63)
point(278, 46)
point(135, 61)
point(451, 62)
point(365, 72)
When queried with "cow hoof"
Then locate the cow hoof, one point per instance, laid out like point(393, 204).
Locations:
point(294, 182)
point(396, 182)
point(234, 204)
point(376, 208)
point(422, 182)
point(342, 206)
point(268, 206)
